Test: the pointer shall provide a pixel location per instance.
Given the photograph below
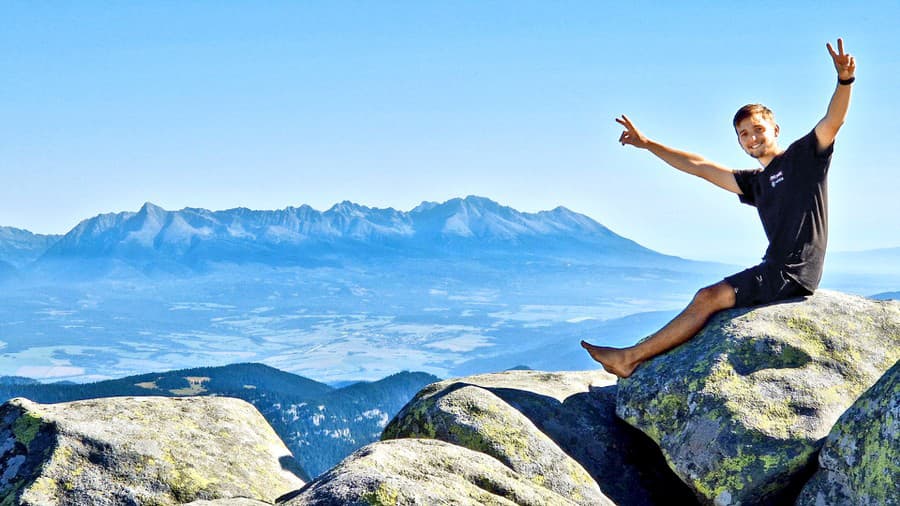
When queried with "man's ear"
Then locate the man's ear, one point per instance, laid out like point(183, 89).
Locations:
point(777, 129)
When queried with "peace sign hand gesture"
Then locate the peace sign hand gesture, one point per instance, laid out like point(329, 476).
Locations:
point(631, 135)
point(843, 63)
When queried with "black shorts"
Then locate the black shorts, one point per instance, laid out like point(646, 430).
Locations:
point(763, 284)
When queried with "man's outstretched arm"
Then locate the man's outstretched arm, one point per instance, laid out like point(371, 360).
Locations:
point(845, 65)
point(691, 163)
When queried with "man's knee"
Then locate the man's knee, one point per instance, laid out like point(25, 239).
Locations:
point(715, 297)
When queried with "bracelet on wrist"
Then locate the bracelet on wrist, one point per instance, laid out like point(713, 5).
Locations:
point(846, 82)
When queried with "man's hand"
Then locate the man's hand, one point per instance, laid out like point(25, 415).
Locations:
point(843, 63)
point(631, 135)
point(827, 128)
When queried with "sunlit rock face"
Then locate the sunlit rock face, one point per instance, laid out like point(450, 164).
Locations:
point(147, 450)
point(860, 461)
point(423, 472)
point(740, 410)
point(554, 429)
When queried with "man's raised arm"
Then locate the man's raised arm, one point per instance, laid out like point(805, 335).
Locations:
point(686, 162)
point(845, 65)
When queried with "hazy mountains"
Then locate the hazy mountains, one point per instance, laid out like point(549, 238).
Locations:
point(346, 294)
point(21, 247)
point(473, 227)
point(459, 287)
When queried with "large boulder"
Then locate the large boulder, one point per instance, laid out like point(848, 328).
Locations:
point(741, 409)
point(147, 450)
point(422, 472)
point(558, 430)
point(860, 461)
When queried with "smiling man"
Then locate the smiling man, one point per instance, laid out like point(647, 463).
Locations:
point(790, 192)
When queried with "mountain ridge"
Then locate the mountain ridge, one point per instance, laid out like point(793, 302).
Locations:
point(300, 235)
point(19, 247)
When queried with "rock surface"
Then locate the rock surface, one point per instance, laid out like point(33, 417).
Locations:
point(422, 472)
point(147, 450)
point(235, 501)
point(860, 462)
point(740, 410)
point(558, 430)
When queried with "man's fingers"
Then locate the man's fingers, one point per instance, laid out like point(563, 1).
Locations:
point(840, 46)
point(830, 50)
point(624, 122)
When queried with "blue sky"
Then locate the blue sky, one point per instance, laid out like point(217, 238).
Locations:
point(106, 105)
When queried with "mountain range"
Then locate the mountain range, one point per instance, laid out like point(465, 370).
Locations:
point(459, 287)
point(473, 226)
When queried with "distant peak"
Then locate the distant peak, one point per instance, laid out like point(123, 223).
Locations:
point(150, 207)
point(345, 205)
point(562, 210)
point(475, 199)
point(424, 206)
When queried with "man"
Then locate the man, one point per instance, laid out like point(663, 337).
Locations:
point(790, 193)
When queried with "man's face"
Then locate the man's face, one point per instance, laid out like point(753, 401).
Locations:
point(758, 136)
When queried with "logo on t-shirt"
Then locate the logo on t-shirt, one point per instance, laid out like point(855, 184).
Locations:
point(776, 178)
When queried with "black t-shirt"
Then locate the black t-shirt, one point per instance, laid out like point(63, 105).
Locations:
point(791, 195)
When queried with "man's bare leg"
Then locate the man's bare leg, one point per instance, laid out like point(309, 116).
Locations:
point(707, 302)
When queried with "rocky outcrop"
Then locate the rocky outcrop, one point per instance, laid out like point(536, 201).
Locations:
point(738, 413)
point(425, 472)
point(555, 431)
point(860, 461)
point(467, 414)
point(741, 409)
point(147, 450)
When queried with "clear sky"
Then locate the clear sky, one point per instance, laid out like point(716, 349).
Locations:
point(106, 105)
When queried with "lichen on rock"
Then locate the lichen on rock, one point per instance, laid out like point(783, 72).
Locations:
point(860, 461)
point(741, 409)
point(472, 417)
point(422, 472)
point(147, 450)
point(558, 430)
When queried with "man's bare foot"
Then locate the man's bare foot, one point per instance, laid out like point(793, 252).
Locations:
point(614, 360)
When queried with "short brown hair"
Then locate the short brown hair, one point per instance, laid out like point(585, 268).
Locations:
point(751, 109)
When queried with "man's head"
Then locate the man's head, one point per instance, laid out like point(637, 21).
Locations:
point(757, 131)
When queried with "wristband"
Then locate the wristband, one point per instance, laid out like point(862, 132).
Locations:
point(847, 81)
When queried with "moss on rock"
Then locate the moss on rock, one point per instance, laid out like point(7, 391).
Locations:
point(26, 427)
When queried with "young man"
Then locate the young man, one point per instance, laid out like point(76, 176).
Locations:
point(790, 193)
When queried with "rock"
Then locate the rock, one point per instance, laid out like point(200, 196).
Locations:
point(741, 409)
point(860, 461)
point(147, 450)
point(422, 472)
point(558, 430)
point(234, 501)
